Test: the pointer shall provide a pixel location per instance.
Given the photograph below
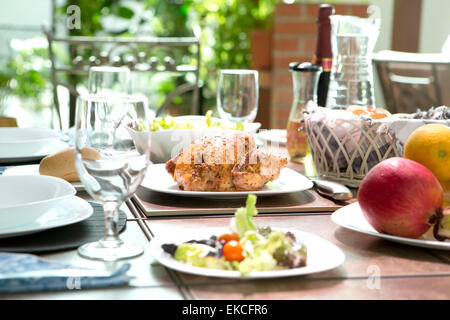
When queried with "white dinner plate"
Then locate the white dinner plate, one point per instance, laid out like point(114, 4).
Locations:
point(64, 212)
point(351, 217)
point(33, 169)
point(322, 255)
point(27, 144)
point(158, 179)
point(274, 136)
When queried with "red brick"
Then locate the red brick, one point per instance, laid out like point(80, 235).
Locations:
point(283, 96)
point(288, 10)
point(312, 10)
point(358, 10)
point(287, 45)
point(283, 79)
point(295, 27)
point(283, 62)
point(309, 45)
point(341, 9)
point(280, 116)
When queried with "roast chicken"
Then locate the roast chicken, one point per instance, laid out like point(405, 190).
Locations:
point(226, 162)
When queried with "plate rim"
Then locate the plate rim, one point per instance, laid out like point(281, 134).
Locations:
point(55, 146)
point(262, 137)
point(34, 227)
point(155, 249)
point(431, 244)
point(225, 194)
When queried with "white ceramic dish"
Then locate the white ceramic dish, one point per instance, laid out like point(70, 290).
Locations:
point(27, 144)
point(67, 211)
point(166, 144)
point(351, 217)
point(33, 169)
point(278, 136)
point(25, 199)
point(158, 179)
point(322, 255)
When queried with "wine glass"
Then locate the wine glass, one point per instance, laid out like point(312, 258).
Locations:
point(105, 79)
point(109, 164)
point(237, 95)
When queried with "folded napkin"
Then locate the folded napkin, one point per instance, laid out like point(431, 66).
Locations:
point(26, 273)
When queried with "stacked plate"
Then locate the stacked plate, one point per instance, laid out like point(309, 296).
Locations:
point(28, 144)
point(33, 203)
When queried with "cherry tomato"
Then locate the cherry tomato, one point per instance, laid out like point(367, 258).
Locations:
point(232, 251)
point(229, 236)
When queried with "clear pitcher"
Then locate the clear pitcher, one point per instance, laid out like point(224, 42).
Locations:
point(351, 79)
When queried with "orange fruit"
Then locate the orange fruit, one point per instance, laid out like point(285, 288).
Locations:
point(357, 110)
point(379, 113)
point(430, 146)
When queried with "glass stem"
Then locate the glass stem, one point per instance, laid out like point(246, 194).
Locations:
point(111, 223)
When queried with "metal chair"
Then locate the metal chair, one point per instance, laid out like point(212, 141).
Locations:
point(141, 55)
point(410, 81)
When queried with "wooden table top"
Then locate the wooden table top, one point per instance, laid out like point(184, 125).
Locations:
point(373, 269)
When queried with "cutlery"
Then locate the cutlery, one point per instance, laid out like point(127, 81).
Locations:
point(332, 189)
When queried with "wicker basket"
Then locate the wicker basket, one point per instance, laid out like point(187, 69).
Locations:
point(345, 147)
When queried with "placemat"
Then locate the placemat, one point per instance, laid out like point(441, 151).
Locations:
point(155, 204)
point(63, 238)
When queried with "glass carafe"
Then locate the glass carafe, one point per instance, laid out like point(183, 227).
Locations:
point(305, 77)
point(351, 79)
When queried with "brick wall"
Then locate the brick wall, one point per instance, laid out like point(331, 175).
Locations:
point(294, 39)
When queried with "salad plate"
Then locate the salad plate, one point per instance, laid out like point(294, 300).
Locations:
point(33, 169)
point(245, 250)
point(158, 179)
point(351, 217)
point(322, 255)
point(28, 144)
point(67, 211)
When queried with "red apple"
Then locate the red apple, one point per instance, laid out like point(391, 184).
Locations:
point(401, 197)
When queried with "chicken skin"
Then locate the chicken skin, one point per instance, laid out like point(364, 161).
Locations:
point(226, 162)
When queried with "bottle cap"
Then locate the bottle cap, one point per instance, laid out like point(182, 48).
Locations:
point(304, 67)
point(325, 10)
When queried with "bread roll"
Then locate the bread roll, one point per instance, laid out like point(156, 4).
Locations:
point(62, 163)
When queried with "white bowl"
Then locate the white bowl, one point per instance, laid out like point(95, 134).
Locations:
point(25, 199)
point(21, 142)
point(166, 144)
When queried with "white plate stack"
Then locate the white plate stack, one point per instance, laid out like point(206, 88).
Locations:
point(33, 203)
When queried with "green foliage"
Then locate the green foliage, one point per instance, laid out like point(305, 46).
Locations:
point(26, 74)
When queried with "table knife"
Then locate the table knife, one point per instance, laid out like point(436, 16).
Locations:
point(332, 189)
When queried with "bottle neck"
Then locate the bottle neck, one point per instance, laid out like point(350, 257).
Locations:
point(323, 55)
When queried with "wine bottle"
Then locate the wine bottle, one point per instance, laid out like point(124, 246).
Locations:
point(323, 55)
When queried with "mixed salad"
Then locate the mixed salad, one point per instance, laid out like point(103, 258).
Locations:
point(170, 123)
point(244, 248)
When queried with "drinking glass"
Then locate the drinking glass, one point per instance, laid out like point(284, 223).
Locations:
point(237, 95)
point(109, 164)
point(104, 80)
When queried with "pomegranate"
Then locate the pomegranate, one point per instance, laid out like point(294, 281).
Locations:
point(401, 197)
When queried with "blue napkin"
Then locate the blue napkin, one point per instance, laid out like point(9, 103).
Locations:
point(14, 278)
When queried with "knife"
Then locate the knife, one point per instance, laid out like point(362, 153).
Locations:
point(332, 189)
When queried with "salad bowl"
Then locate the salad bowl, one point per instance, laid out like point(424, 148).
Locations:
point(170, 135)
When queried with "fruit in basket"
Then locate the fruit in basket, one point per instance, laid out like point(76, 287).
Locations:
point(377, 113)
point(430, 146)
point(401, 197)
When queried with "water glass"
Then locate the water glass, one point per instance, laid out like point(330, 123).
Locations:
point(237, 95)
point(109, 164)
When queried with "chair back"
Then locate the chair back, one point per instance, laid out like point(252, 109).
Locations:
point(153, 55)
point(412, 81)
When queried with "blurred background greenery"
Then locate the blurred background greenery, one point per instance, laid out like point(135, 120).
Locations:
point(225, 43)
